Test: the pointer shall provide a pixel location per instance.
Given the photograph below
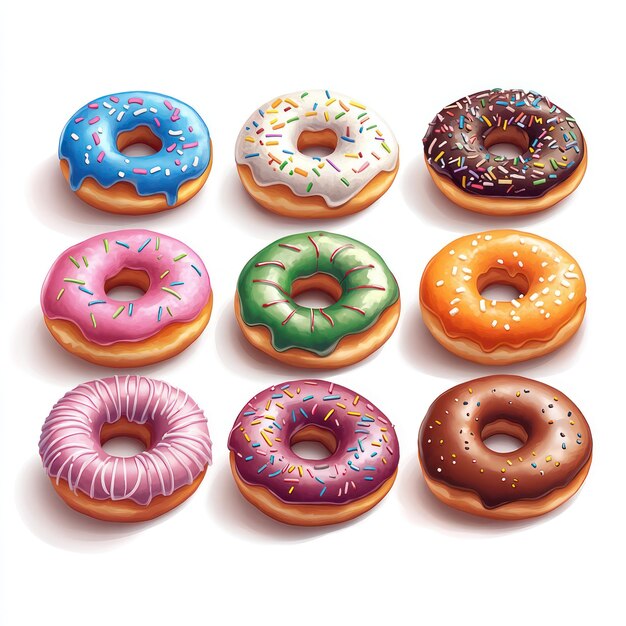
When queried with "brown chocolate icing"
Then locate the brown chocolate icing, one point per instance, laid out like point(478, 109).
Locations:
point(557, 440)
point(457, 143)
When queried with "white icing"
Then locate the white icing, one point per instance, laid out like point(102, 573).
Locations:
point(374, 148)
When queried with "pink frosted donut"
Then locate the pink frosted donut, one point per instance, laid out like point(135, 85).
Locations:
point(125, 489)
point(173, 311)
point(357, 474)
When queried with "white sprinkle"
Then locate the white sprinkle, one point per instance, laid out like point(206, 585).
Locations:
point(571, 275)
point(545, 290)
point(474, 242)
point(534, 249)
point(182, 138)
point(195, 162)
point(120, 115)
point(558, 302)
point(520, 263)
point(438, 469)
point(557, 259)
point(100, 130)
point(517, 318)
point(155, 169)
point(126, 160)
point(86, 158)
point(507, 327)
point(494, 323)
point(460, 289)
point(175, 133)
point(466, 270)
point(126, 106)
point(451, 252)
point(184, 168)
point(439, 283)
point(89, 146)
point(571, 267)
point(544, 263)
point(551, 277)
point(153, 110)
point(453, 311)
point(455, 269)
point(121, 174)
point(139, 111)
point(467, 278)
point(547, 315)
point(500, 261)
point(167, 171)
point(534, 297)
point(106, 105)
point(74, 136)
point(565, 283)
point(515, 253)
point(455, 301)
point(516, 304)
point(557, 293)
point(463, 257)
point(522, 240)
point(571, 295)
point(539, 303)
point(178, 151)
point(481, 304)
point(542, 279)
point(494, 302)
point(542, 311)
point(112, 111)
point(488, 237)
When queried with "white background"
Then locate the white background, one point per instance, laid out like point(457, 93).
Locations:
point(215, 558)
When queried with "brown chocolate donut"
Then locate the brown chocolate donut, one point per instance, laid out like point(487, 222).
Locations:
point(544, 472)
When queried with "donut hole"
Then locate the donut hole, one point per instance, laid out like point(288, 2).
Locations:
point(510, 143)
point(317, 291)
point(127, 285)
point(317, 143)
point(140, 141)
point(313, 443)
point(124, 438)
point(498, 285)
point(503, 435)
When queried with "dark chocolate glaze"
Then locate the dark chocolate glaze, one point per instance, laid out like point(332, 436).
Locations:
point(452, 451)
point(454, 144)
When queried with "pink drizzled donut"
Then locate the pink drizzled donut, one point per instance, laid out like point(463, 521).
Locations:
point(125, 489)
point(173, 311)
point(358, 473)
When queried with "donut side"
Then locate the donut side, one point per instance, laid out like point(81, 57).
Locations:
point(122, 197)
point(307, 514)
point(351, 349)
point(165, 344)
point(280, 199)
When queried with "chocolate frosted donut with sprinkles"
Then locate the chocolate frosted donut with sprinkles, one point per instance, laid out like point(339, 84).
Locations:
point(548, 468)
point(550, 165)
point(93, 159)
point(315, 154)
point(99, 327)
point(360, 468)
point(547, 312)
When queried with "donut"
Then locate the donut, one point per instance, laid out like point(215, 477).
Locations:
point(125, 489)
point(92, 145)
point(359, 471)
point(171, 314)
point(276, 173)
point(552, 153)
point(363, 317)
point(548, 311)
point(548, 469)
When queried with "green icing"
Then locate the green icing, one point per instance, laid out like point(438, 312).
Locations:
point(371, 288)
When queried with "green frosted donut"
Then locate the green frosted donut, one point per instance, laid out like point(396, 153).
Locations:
point(368, 289)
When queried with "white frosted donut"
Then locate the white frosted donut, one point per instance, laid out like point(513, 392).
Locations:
point(281, 178)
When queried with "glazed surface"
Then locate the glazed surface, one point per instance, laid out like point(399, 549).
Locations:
point(89, 143)
point(452, 451)
point(454, 144)
point(451, 282)
point(367, 450)
point(180, 446)
point(74, 289)
point(265, 284)
point(268, 145)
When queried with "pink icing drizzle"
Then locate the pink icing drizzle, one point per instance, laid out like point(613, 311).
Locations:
point(179, 285)
point(70, 443)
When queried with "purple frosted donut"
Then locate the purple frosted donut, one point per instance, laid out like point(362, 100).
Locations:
point(125, 489)
point(357, 474)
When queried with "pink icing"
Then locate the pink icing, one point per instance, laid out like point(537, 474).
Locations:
point(367, 451)
point(70, 439)
point(74, 287)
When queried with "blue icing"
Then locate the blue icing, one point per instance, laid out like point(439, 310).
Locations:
point(90, 144)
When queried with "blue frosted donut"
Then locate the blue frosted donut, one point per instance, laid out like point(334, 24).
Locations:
point(92, 144)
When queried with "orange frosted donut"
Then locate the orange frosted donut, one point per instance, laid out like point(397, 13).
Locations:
point(548, 311)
